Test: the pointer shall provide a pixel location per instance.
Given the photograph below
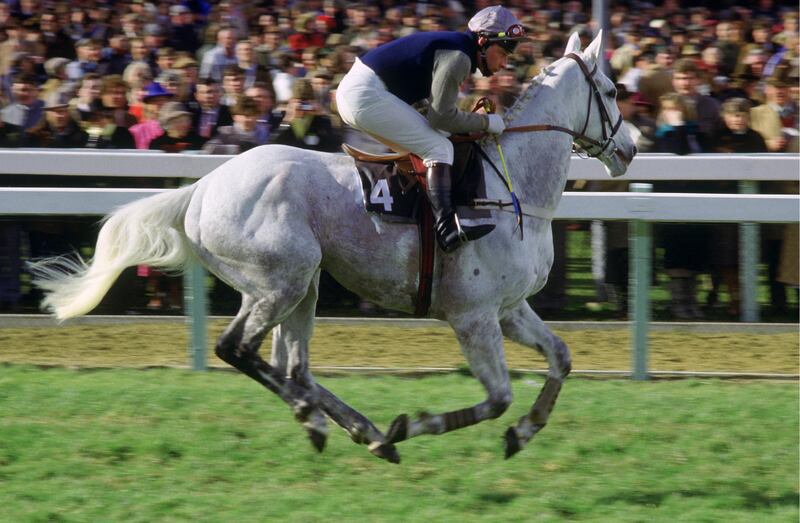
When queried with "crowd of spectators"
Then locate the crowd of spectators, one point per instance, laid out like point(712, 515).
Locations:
point(223, 77)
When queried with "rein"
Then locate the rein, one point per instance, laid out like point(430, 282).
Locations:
point(606, 119)
point(600, 147)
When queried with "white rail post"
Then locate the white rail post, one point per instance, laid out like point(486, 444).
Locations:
point(749, 249)
point(639, 274)
point(194, 297)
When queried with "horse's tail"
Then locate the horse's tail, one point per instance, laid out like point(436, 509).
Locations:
point(145, 232)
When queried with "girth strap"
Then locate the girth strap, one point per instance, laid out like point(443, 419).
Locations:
point(508, 206)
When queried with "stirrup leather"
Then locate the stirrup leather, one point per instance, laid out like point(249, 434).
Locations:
point(462, 236)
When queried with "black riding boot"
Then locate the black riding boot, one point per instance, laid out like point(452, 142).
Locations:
point(449, 232)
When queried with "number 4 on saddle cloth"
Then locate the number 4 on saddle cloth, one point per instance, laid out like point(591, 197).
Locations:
point(392, 189)
point(392, 184)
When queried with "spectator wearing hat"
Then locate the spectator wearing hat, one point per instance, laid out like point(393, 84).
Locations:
point(56, 76)
point(178, 135)
point(27, 109)
point(306, 125)
point(57, 42)
point(241, 136)
point(208, 114)
point(776, 120)
point(89, 53)
point(183, 35)
point(685, 82)
point(57, 129)
point(269, 119)
point(188, 69)
point(104, 133)
point(155, 96)
point(221, 56)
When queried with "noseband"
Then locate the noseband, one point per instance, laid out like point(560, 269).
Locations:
point(583, 143)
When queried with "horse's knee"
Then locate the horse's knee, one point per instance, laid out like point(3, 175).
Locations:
point(223, 350)
point(227, 350)
point(563, 359)
point(499, 403)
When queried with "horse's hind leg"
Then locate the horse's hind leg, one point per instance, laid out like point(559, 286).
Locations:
point(482, 344)
point(239, 346)
point(524, 326)
point(290, 342)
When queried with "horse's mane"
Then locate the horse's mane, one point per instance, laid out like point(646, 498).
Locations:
point(525, 97)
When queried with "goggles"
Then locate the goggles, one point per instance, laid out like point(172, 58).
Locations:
point(507, 39)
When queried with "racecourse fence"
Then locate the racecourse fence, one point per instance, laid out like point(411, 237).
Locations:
point(640, 206)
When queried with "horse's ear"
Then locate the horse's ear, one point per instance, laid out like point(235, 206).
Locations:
point(573, 45)
point(593, 49)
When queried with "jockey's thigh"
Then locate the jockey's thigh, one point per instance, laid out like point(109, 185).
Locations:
point(364, 103)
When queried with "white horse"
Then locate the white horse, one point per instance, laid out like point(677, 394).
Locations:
point(269, 220)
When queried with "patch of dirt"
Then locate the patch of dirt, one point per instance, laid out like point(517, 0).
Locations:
point(139, 345)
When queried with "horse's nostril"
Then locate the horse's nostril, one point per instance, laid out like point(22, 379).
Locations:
point(635, 150)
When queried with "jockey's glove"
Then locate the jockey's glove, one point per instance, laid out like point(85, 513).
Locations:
point(496, 124)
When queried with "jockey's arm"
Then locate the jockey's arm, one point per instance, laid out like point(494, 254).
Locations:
point(450, 69)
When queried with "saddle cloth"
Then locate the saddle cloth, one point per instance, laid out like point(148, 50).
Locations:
point(392, 187)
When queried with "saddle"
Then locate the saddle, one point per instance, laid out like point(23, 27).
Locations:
point(393, 190)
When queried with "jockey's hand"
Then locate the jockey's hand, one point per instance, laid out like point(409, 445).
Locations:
point(496, 124)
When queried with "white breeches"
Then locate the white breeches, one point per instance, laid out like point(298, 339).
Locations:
point(365, 103)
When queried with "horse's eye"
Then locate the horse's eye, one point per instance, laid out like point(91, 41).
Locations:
point(612, 93)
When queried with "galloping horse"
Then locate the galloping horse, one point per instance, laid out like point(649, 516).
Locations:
point(266, 222)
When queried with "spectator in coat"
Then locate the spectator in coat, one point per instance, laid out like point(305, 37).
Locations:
point(306, 125)
point(685, 82)
point(57, 42)
point(269, 119)
point(685, 245)
point(88, 61)
point(239, 137)
point(207, 113)
point(223, 55)
point(735, 136)
point(58, 129)
point(27, 109)
point(148, 129)
point(183, 35)
point(777, 118)
point(178, 135)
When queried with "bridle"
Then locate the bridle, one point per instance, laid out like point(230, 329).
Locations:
point(583, 144)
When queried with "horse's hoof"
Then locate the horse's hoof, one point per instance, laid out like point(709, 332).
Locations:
point(317, 438)
point(512, 443)
point(385, 451)
point(399, 429)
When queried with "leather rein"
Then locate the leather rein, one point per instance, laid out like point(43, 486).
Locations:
point(598, 146)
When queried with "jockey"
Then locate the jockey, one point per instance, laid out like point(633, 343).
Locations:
point(377, 94)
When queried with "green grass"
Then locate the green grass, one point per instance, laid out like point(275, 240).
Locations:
point(169, 445)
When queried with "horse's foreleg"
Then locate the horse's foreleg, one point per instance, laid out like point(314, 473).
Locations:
point(482, 344)
point(524, 326)
point(290, 342)
point(239, 346)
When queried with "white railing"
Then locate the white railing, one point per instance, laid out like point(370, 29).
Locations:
point(640, 208)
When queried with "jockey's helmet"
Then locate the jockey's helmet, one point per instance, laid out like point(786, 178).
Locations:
point(497, 25)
